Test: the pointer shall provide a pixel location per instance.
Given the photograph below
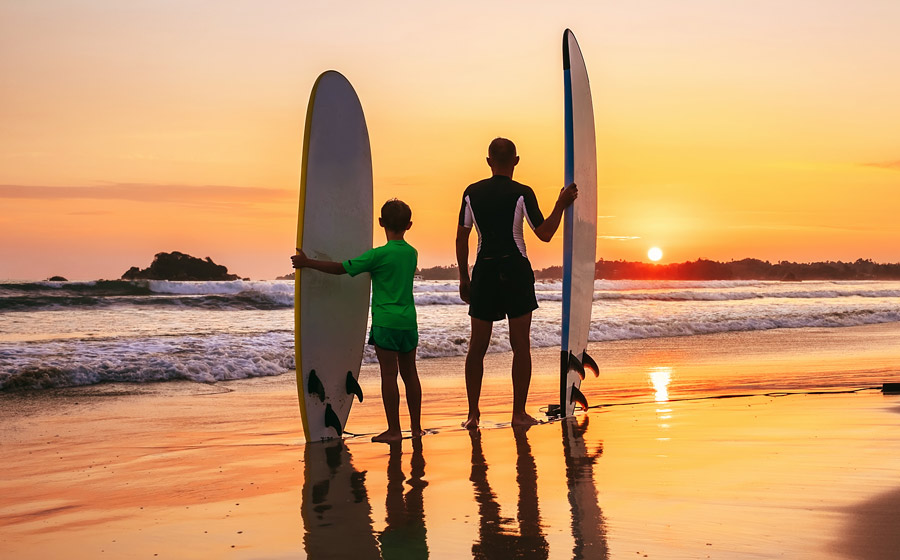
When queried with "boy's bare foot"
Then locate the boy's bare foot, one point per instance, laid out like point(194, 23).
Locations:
point(471, 423)
point(388, 436)
point(523, 419)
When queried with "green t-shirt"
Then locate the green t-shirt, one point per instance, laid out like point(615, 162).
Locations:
point(392, 267)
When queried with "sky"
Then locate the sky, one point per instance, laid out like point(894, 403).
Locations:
point(725, 130)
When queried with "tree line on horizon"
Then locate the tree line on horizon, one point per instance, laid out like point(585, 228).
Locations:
point(181, 266)
point(705, 269)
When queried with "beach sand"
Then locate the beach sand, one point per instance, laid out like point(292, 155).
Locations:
point(654, 469)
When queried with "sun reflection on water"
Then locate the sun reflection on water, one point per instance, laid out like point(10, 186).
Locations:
point(659, 378)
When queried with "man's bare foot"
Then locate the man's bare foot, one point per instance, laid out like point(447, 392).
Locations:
point(388, 436)
point(417, 433)
point(523, 419)
point(471, 422)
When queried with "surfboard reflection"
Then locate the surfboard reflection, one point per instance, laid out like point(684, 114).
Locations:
point(588, 525)
point(335, 505)
point(497, 536)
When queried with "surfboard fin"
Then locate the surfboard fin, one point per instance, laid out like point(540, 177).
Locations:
point(590, 364)
point(578, 398)
point(314, 386)
point(575, 365)
point(353, 387)
point(332, 420)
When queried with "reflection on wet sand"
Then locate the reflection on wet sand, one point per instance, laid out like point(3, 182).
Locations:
point(404, 535)
point(338, 515)
point(496, 536)
point(588, 526)
point(335, 507)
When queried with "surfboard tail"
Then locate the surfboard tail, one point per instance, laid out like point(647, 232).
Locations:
point(578, 398)
point(576, 365)
point(590, 364)
point(353, 387)
point(332, 420)
point(315, 386)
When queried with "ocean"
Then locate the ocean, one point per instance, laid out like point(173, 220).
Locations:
point(65, 334)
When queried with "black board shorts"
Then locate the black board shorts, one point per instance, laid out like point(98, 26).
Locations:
point(502, 287)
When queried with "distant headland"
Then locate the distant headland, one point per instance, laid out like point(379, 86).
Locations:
point(182, 267)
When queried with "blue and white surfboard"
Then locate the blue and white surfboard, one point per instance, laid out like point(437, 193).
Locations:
point(579, 227)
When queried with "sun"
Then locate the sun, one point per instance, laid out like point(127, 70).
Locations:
point(654, 254)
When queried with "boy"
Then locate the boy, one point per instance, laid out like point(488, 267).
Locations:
point(394, 331)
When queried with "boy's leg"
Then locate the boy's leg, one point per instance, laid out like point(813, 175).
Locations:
point(410, 376)
point(520, 340)
point(390, 394)
point(478, 345)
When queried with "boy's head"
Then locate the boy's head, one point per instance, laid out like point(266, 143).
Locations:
point(395, 216)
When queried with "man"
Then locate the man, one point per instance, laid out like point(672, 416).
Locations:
point(502, 283)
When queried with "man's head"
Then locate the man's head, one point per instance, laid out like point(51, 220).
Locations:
point(502, 157)
point(395, 216)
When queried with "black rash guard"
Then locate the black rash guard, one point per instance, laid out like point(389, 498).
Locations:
point(497, 208)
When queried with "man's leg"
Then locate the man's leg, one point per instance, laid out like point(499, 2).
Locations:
point(520, 340)
point(410, 376)
point(390, 394)
point(478, 345)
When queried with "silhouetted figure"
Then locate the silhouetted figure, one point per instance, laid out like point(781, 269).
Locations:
point(502, 282)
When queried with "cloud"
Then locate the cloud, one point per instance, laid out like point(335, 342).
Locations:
point(213, 195)
point(893, 165)
point(618, 237)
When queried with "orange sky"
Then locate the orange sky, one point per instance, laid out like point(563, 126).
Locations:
point(725, 129)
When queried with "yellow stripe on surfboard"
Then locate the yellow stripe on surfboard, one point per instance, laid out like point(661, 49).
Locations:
point(298, 276)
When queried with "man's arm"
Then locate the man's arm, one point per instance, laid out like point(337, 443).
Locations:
point(462, 260)
point(548, 227)
point(300, 260)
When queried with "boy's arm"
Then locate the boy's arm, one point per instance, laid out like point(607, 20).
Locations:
point(462, 260)
point(548, 227)
point(300, 260)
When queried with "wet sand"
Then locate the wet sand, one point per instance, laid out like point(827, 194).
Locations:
point(654, 469)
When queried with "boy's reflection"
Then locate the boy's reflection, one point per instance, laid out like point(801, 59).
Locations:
point(404, 535)
point(497, 539)
point(335, 507)
point(588, 526)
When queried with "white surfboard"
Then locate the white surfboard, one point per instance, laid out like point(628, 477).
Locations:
point(579, 227)
point(334, 223)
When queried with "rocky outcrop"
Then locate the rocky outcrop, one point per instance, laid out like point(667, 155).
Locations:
point(179, 266)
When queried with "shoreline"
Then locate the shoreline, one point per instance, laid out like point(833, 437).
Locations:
point(187, 470)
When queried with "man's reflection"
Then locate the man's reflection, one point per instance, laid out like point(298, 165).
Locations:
point(497, 536)
point(335, 506)
point(404, 535)
point(588, 526)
